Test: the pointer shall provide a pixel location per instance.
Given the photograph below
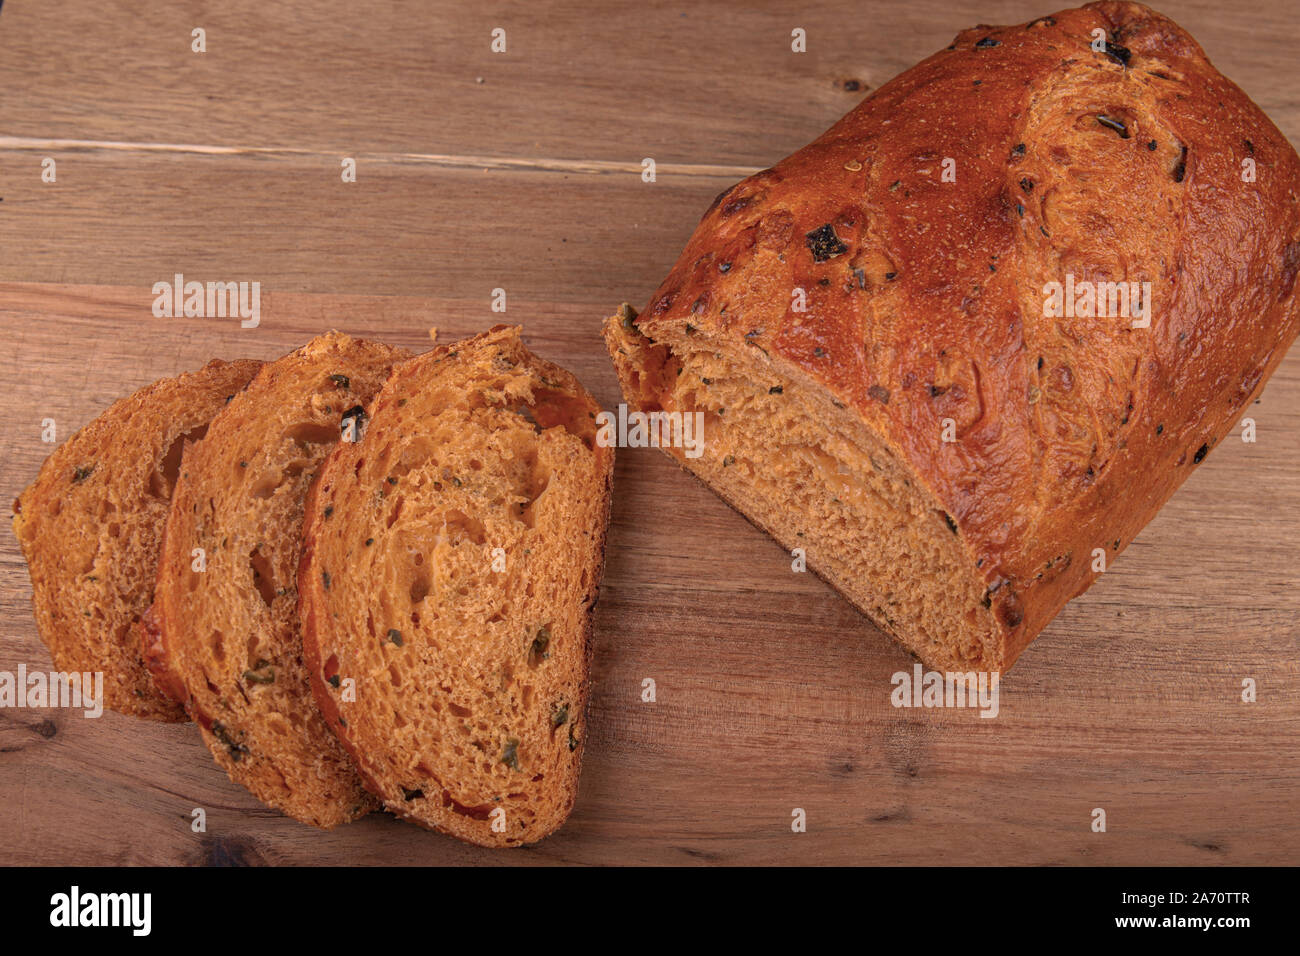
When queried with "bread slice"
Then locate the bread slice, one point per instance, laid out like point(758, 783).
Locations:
point(91, 523)
point(874, 333)
point(225, 640)
point(451, 564)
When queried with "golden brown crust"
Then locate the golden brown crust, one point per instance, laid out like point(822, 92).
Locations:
point(223, 633)
point(458, 686)
point(91, 524)
point(925, 297)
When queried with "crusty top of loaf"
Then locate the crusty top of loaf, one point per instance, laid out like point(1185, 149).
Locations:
point(925, 298)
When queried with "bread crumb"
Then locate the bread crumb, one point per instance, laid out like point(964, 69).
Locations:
point(433, 334)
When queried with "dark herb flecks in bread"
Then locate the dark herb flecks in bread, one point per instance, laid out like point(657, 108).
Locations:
point(457, 673)
point(91, 524)
point(843, 314)
point(226, 640)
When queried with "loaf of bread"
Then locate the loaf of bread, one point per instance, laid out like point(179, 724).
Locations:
point(91, 523)
point(910, 344)
point(224, 631)
point(450, 567)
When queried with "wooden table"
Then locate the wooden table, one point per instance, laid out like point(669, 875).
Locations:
point(521, 171)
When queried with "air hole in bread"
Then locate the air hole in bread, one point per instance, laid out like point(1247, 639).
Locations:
point(458, 526)
point(395, 512)
point(263, 578)
point(537, 480)
point(420, 585)
point(217, 644)
point(163, 478)
point(313, 433)
point(539, 648)
point(460, 711)
point(480, 812)
point(265, 486)
point(570, 412)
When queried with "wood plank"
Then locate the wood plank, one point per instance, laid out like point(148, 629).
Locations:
point(683, 83)
point(772, 692)
point(291, 223)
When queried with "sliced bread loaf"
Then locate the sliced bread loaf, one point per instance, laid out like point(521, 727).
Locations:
point(892, 376)
point(91, 523)
point(225, 636)
point(450, 567)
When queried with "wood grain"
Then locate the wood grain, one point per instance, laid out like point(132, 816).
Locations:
point(772, 692)
point(293, 225)
point(682, 82)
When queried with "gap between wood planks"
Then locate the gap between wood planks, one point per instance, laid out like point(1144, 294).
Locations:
point(439, 160)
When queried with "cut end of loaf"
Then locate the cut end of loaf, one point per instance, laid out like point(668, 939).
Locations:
point(808, 472)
